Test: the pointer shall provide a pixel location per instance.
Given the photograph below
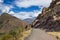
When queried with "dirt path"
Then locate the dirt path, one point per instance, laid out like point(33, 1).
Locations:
point(38, 34)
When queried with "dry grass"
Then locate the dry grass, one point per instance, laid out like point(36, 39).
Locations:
point(25, 34)
point(57, 34)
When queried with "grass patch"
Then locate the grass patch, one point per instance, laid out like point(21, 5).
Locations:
point(26, 34)
point(6, 37)
point(13, 34)
point(57, 34)
point(18, 33)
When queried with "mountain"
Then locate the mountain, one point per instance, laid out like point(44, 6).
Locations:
point(29, 20)
point(49, 19)
point(11, 27)
point(8, 22)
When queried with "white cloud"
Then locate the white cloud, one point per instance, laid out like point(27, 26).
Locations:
point(24, 15)
point(25, 3)
point(5, 8)
point(11, 12)
point(28, 3)
point(1, 1)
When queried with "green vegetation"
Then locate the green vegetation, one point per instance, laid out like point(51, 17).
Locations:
point(2, 34)
point(1, 24)
point(6, 37)
point(14, 34)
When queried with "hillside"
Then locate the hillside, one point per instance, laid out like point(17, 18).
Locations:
point(11, 27)
point(49, 19)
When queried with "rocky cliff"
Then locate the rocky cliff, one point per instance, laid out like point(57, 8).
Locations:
point(49, 19)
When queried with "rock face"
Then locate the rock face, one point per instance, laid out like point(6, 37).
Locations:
point(49, 19)
point(8, 22)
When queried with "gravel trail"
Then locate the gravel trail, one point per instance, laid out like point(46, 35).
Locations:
point(38, 34)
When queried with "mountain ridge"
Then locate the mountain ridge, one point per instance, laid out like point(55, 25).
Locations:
point(49, 19)
point(29, 20)
point(8, 22)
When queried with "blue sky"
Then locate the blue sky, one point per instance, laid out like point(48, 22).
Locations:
point(23, 8)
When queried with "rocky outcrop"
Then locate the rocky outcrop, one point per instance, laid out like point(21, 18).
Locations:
point(49, 19)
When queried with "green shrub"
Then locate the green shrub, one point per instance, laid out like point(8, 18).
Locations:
point(6, 37)
point(2, 34)
point(14, 34)
point(1, 22)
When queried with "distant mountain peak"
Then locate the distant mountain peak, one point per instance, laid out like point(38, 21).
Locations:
point(29, 20)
